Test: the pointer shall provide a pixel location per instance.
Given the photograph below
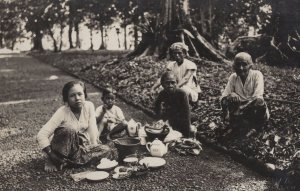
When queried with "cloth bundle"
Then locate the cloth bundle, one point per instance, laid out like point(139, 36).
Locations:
point(185, 146)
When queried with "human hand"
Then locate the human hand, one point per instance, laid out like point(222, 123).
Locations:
point(233, 97)
point(124, 122)
point(111, 120)
point(152, 92)
point(259, 102)
point(104, 108)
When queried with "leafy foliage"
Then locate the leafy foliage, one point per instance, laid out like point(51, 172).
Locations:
point(10, 24)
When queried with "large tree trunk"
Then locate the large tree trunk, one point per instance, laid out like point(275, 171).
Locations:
point(61, 36)
point(284, 44)
point(102, 46)
point(37, 41)
point(125, 37)
point(70, 33)
point(91, 39)
point(76, 27)
point(173, 25)
point(54, 40)
point(1, 40)
point(13, 43)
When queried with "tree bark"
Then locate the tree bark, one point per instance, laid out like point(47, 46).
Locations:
point(76, 27)
point(70, 33)
point(13, 43)
point(1, 40)
point(283, 27)
point(61, 36)
point(125, 37)
point(54, 40)
point(173, 25)
point(102, 46)
point(37, 41)
point(91, 39)
point(136, 37)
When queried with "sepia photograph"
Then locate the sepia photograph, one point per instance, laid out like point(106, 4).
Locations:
point(150, 95)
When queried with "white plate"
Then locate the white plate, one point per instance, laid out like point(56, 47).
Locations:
point(153, 162)
point(130, 159)
point(97, 175)
point(107, 166)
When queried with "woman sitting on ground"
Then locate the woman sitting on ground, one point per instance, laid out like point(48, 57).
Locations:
point(70, 136)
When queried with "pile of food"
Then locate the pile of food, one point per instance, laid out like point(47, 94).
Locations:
point(123, 172)
point(157, 127)
point(107, 164)
point(186, 146)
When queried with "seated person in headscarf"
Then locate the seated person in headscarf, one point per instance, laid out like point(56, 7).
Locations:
point(242, 100)
point(184, 70)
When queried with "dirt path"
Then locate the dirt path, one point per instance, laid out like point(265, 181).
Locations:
point(30, 93)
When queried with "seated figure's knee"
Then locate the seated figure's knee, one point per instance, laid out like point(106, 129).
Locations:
point(224, 103)
point(259, 102)
point(64, 131)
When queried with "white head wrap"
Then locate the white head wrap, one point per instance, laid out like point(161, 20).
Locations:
point(180, 46)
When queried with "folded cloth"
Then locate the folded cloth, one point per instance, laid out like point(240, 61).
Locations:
point(79, 176)
point(173, 136)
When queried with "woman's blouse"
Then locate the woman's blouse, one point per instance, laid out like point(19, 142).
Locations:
point(64, 117)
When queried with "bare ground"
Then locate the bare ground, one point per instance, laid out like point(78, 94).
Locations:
point(28, 100)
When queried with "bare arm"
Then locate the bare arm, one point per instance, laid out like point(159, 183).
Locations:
point(259, 86)
point(43, 137)
point(92, 129)
point(157, 106)
point(100, 117)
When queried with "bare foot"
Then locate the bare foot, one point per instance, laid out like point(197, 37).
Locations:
point(49, 166)
point(61, 166)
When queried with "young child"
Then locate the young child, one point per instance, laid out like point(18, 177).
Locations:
point(110, 118)
point(172, 104)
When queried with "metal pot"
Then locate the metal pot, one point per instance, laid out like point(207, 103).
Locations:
point(127, 146)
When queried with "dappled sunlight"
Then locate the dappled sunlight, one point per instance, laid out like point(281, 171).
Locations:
point(8, 132)
point(6, 70)
point(247, 185)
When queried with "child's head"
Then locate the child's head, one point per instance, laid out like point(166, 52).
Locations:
point(108, 98)
point(168, 81)
point(74, 93)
